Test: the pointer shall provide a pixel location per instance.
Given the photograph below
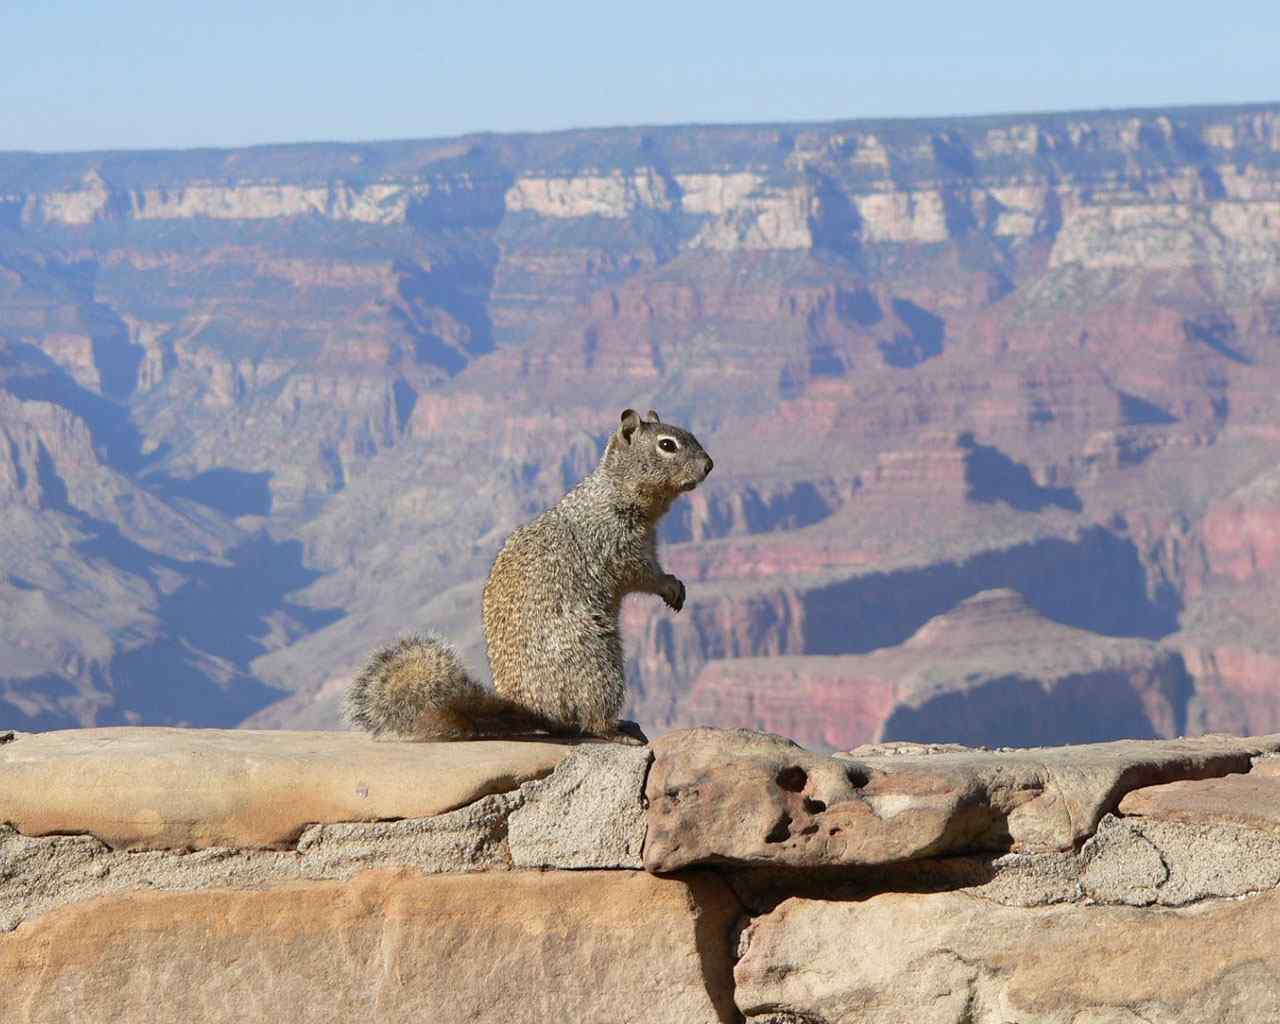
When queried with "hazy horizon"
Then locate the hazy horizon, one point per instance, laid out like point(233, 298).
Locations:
point(621, 126)
point(129, 77)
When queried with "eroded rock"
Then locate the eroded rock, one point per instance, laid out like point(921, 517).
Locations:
point(38, 874)
point(743, 798)
point(1139, 861)
point(588, 813)
point(747, 798)
point(472, 838)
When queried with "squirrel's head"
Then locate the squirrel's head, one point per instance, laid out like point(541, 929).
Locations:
point(654, 459)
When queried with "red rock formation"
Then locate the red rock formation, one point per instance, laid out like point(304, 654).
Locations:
point(1034, 354)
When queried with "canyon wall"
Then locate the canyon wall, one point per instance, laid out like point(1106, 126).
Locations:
point(992, 404)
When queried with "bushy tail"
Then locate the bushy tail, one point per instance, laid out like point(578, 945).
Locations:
point(417, 688)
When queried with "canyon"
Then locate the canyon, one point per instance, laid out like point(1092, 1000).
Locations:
point(992, 403)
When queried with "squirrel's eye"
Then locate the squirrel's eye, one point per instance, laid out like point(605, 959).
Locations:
point(668, 445)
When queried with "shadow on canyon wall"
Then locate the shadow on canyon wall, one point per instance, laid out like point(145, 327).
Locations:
point(993, 476)
point(211, 619)
point(1017, 711)
point(1095, 582)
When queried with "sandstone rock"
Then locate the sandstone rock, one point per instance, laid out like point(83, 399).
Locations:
point(754, 799)
point(606, 947)
point(588, 195)
point(38, 874)
point(947, 958)
point(588, 813)
point(1251, 800)
point(165, 788)
point(1052, 797)
point(1242, 530)
point(472, 838)
point(1139, 862)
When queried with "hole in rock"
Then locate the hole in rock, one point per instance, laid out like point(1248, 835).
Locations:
point(809, 830)
point(857, 776)
point(814, 806)
point(792, 779)
point(781, 831)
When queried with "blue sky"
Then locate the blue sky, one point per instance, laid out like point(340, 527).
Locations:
point(140, 73)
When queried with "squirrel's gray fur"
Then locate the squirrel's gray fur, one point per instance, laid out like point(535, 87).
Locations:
point(550, 608)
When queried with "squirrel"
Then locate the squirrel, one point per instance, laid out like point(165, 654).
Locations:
point(550, 609)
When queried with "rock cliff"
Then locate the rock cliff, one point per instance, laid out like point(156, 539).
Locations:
point(719, 876)
point(262, 409)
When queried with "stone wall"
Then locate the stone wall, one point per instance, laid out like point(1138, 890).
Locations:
point(164, 874)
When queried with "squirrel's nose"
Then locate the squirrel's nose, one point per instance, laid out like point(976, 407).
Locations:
point(710, 466)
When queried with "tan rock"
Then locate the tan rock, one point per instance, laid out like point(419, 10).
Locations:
point(917, 216)
point(753, 799)
point(948, 958)
point(1166, 236)
point(592, 195)
point(716, 194)
point(774, 218)
point(588, 813)
point(1252, 800)
point(170, 788)
point(1140, 861)
point(40, 873)
point(608, 947)
point(1052, 798)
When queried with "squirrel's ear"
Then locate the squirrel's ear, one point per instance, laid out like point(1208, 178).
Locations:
point(630, 421)
point(653, 417)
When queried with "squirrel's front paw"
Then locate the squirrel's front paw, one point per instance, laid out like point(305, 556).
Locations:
point(672, 592)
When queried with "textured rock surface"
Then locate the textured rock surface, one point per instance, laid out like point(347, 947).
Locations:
point(589, 813)
point(1160, 910)
point(172, 788)
point(751, 799)
point(947, 958)
point(1142, 862)
point(391, 946)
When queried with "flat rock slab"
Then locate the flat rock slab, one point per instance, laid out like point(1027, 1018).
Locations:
point(154, 788)
point(617, 947)
point(1251, 800)
point(944, 958)
point(742, 798)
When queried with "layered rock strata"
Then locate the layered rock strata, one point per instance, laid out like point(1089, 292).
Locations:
point(261, 409)
point(248, 876)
